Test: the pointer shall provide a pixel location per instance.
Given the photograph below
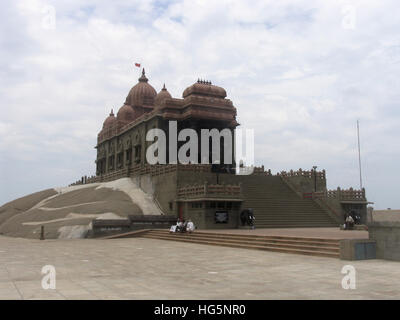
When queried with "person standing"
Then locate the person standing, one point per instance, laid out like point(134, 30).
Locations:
point(244, 217)
point(251, 218)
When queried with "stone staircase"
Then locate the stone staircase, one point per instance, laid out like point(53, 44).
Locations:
point(296, 245)
point(276, 205)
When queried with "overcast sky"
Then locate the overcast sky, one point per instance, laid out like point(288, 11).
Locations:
point(300, 73)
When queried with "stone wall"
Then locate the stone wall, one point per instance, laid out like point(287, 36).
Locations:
point(387, 237)
point(233, 220)
point(204, 217)
point(112, 153)
point(357, 249)
point(165, 192)
point(196, 215)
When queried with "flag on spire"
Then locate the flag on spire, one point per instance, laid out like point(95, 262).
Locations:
point(137, 64)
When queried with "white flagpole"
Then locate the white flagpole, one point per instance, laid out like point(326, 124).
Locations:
point(359, 152)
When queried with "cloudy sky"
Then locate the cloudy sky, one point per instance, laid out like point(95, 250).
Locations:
point(300, 73)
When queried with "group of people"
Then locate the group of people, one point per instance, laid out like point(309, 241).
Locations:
point(246, 218)
point(350, 219)
point(183, 226)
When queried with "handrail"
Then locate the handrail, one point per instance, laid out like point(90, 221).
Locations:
point(158, 205)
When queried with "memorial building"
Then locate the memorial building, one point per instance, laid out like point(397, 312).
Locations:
point(212, 195)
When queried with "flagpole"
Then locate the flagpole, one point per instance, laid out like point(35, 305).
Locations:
point(359, 152)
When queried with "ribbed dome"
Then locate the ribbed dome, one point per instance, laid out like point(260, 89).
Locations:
point(126, 114)
point(110, 120)
point(162, 95)
point(204, 88)
point(142, 93)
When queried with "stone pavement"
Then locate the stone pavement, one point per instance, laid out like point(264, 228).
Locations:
point(139, 268)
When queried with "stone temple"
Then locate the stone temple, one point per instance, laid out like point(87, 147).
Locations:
point(210, 195)
point(132, 195)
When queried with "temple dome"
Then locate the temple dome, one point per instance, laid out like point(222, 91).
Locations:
point(162, 95)
point(126, 114)
point(204, 88)
point(110, 120)
point(142, 94)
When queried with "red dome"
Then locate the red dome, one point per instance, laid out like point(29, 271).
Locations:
point(126, 114)
point(204, 88)
point(142, 94)
point(110, 120)
point(162, 95)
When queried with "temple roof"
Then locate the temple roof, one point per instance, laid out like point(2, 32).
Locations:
point(162, 95)
point(142, 94)
point(204, 88)
point(110, 120)
point(126, 114)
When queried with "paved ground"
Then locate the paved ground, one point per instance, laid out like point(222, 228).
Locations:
point(325, 233)
point(139, 268)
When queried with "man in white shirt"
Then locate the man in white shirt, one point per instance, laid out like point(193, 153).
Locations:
point(349, 222)
point(190, 226)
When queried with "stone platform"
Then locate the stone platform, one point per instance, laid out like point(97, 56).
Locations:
point(324, 242)
point(139, 268)
point(322, 233)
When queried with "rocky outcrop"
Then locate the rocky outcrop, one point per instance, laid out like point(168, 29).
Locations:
point(68, 212)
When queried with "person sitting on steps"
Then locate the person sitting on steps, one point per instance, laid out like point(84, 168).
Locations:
point(190, 226)
point(349, 222)
point(179, 225)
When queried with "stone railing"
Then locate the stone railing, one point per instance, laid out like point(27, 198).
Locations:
point(194, 167)
point(154, 170)
point(210, 191)
point(347, 194)
point(85, 180)
point(338, 194)
point(160, 169)
point(118, 174)
point(135, 170)
point(314, 195)
point(262, 171)
point(302, 173)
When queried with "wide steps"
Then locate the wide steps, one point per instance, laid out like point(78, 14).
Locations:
point(275, 205)
point(239, 236)
point(297, 245)
point(294, 222)
point(294, 226)
point(273, 243)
